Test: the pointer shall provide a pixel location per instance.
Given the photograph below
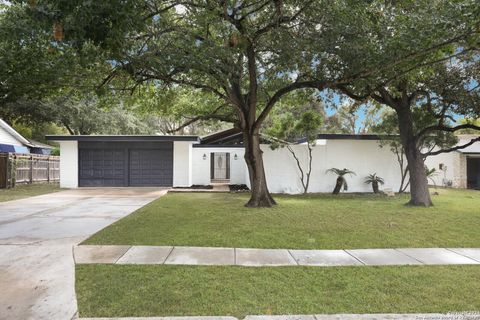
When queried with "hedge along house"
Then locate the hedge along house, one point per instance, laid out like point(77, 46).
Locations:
point(183, 161)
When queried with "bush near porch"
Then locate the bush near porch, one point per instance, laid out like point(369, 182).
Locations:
point(314, 221)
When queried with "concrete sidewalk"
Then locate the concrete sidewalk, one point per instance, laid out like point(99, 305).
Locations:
point(273, 257)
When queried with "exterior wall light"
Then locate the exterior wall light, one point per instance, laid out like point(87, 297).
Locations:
point(235, 157)
point(204, 157)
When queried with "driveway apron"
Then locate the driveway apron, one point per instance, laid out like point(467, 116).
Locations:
point(36, 239)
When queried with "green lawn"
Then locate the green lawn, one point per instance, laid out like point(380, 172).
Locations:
point(28, 190)
point(309, 222)
point(126, 290)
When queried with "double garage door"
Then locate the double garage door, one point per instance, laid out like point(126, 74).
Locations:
point(117, 164)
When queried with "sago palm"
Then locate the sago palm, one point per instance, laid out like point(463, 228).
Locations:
point(374, 180)
point(341, 182)
point(431, 174)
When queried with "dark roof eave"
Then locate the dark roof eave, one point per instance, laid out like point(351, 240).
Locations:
point(220, 136)
point(122, 138)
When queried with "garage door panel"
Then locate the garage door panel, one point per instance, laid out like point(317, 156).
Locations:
point(102, 167)
point(151, 167)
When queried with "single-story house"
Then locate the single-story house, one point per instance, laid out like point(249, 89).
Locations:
point(13, 142)
point(183, 161)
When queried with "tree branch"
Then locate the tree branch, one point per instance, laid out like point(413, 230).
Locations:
point(434, 153)
point(211, 115)
point(446, 129)
point(359, 97)
point(299, 166)
point(280, 20)
point(320, 85)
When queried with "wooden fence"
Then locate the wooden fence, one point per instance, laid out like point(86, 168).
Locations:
point(28, 169)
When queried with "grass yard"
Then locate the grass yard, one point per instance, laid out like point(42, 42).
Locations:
point(128, 290)
point(301, 222)
point(27, 190)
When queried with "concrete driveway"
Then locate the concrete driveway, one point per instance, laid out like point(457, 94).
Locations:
point(36, 239)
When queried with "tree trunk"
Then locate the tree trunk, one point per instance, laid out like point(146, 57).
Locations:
point(260, 196)
point(299, 166)
point(403, 185)
point(375, 187)
point(419, 193)
point(338, 185)
point(309, 173)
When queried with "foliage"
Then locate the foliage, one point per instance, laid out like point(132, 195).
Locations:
point(288, 128)
point(431, 174)
point(475, 122)
point(340, 172)
point(341, 181)
point(421, 118)
point(351, 117)
point(37, 131)
point(176, 110)
point(33, 66)
point(83, 114)
point(373, 178)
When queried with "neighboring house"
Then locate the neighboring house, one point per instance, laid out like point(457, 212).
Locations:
point(183, 161)
point(458, 169)
point(13, 142)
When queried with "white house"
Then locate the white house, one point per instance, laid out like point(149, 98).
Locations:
point(13, 142)
point(183, 161)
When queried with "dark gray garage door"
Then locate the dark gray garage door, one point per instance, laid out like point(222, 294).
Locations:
point(151, 167)
point(102, 167)
point(120, 164)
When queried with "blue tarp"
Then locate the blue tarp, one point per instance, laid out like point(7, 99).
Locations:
point(7, 148)
point(21, 149)
point(13, 148)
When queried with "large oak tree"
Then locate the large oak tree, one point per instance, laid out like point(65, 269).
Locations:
point(429, 100)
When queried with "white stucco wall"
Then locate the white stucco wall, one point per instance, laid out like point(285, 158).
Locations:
point(68, 164)
point(361, 156)
point(455, 162)
point(182, 163)
point(453, 172)
point(201, 167)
